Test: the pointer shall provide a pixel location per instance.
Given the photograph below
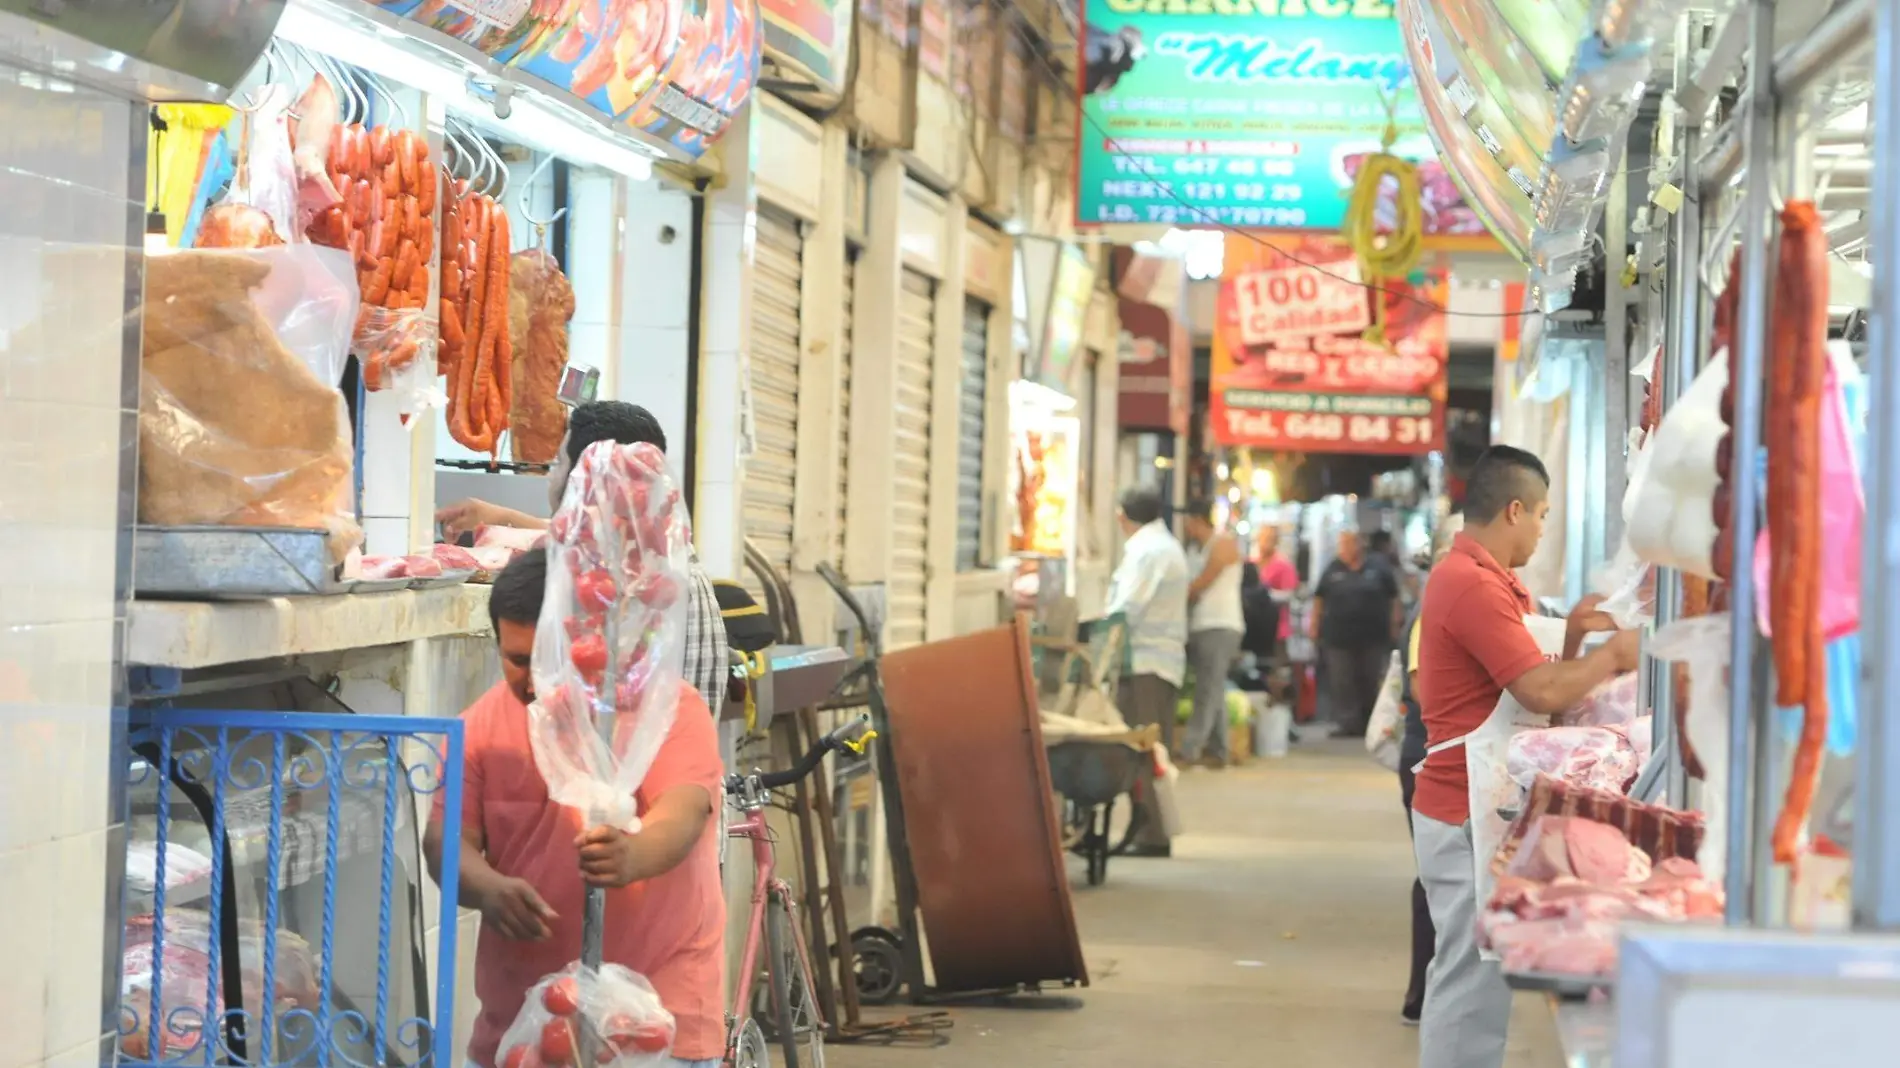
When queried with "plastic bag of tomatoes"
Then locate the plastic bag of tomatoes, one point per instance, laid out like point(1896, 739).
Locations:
point(610, 641)
point(612, 1015)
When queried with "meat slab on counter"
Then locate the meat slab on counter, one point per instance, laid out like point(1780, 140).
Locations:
point(391, 567)
point(1569, 884)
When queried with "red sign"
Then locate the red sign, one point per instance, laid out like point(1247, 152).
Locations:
point(1299, 302)
point(1292, 369)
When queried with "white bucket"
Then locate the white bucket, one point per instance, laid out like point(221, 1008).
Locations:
point(1272, 725)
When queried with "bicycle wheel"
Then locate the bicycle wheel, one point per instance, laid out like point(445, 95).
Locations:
point(749, 1048)
point(797, 1023)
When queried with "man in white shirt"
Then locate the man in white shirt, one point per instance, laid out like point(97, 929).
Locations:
point(1150, 589)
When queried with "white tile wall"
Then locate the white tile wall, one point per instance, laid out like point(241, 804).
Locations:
point(68, 158)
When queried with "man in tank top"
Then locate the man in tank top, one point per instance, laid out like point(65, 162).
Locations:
point(1216, 624)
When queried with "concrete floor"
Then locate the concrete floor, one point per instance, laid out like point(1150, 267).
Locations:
point(1276, 935)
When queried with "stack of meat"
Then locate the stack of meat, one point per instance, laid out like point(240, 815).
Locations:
point(477, 347)
point(1575, 864)
point(385, 218)
point(1557, 906)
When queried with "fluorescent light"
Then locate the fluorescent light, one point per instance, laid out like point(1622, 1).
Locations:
point(575, 137)
point(534, 119)
point(305, 25)
point(1600, 96)
point(1554, 253)
point(1571, 187)
point(1619, 22)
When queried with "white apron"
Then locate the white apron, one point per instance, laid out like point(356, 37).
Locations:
point(1490, 787)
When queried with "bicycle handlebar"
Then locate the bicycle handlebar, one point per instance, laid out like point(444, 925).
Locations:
point(850, 738)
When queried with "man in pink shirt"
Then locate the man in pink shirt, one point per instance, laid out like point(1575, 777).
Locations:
point(526, 861)
point(1277, 574)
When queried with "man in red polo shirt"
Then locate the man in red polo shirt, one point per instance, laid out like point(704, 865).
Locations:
point(1472, 647)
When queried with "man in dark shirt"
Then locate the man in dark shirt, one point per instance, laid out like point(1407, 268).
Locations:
point(1355, 614)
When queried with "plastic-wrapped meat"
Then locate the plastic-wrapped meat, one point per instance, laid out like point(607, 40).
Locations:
point(541, 302)
point(231, 225)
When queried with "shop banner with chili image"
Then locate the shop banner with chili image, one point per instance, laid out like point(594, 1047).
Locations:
point(1293, 369)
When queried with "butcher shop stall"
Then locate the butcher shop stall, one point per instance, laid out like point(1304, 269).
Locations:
point(1704, 855)
point(390, 252)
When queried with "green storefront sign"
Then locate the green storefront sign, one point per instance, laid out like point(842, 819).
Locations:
point(1253, 113)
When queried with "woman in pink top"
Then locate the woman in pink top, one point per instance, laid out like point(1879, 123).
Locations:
point(526, 861)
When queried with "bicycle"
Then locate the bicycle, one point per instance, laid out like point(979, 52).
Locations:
point(797, 1017)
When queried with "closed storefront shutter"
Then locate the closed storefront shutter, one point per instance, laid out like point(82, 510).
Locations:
point(976, 360)
point(844, 408)
point(910, 503)
point(770, 473)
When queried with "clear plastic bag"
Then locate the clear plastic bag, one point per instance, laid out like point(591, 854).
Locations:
point(1702, 643)
point(183, 979)
point(609, 648)
point(397, 348)
point(264, 182)
point(614, 1012)
point(240, 419)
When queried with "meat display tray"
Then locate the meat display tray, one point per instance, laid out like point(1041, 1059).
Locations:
point(1562, 987)
point(211, 563)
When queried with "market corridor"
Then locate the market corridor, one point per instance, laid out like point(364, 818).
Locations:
point(1276, 936)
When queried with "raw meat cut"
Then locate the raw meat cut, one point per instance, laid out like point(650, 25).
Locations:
point(237, 226)
point(454, 558)
point(1597, 757)
point(1544, 854)
point(493, 558)
point(376, 568)
point(540, 303)
point(1599, 853)
point(509, 538)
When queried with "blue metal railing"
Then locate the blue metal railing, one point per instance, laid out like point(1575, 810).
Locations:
point(262, 832)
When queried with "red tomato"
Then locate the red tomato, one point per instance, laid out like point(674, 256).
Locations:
point(557, 1043)
point(521, 1057)
point(594, 591)
point(652, 1036)
point(619, 1028)
point(589, 653)
point(562, 997)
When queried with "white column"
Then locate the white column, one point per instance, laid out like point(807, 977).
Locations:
point(725, 319)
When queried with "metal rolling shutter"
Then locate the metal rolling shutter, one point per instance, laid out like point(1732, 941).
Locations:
point(770, 472)
point(844, 408)
point(910, 500)
point(976, 357)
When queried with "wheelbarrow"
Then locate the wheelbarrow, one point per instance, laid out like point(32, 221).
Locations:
point(1090, 775)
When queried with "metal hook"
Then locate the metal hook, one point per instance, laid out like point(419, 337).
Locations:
point(381, 89)
point(527, 192)
point(499, 187)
